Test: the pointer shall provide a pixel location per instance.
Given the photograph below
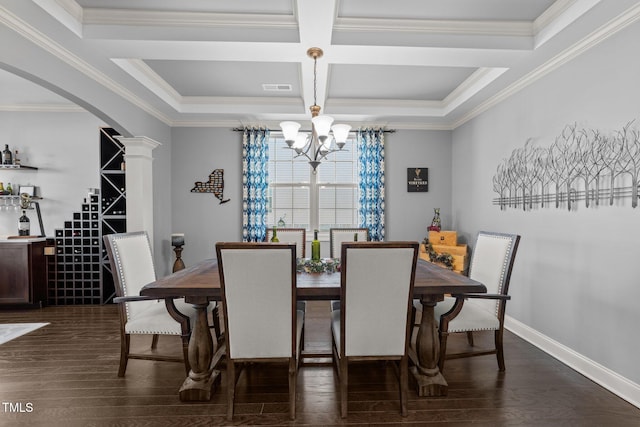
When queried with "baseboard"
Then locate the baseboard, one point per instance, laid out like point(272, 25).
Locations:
point(615, 383)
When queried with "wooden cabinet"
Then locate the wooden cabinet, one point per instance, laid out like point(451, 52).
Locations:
point(23, 272)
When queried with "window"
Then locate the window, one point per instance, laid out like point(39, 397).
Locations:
point(320, 201)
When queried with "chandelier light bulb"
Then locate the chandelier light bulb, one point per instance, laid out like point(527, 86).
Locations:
point(340, 133)
point(290, 131)
point(322, 126)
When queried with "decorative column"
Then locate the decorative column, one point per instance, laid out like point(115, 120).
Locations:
point(139, 183)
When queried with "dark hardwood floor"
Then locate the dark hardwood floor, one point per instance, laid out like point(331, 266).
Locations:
point(67, 373)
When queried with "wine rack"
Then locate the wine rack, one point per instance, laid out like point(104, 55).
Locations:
point(79, 273)
point(75, 278)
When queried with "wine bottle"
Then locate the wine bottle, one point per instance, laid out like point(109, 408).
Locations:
point(24, 225)
point(9, 188)
point(315, 247)
point(274, 238)
point(355, 237)
point(7, 157)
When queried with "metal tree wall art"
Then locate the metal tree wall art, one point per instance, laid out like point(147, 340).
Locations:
point(581, 164)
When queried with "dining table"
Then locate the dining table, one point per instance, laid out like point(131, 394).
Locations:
point(199, 284)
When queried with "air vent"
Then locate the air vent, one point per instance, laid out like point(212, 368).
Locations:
point(276, 87)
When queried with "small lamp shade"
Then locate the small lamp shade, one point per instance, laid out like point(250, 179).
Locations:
point(322, 126)
point(341, 132)
point(290, 131)
point(177, 239)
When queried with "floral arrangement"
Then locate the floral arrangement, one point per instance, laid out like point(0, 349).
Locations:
point(323, 265)
point(443, 259)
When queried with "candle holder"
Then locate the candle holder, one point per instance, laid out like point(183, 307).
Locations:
point(177, 241)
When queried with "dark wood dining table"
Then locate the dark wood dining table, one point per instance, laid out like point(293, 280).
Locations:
point(200, 284)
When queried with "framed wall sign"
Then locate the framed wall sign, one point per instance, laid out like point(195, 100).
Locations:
point(417, 180)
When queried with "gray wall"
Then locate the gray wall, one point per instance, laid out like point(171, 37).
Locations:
point(198, 151)
point(576, 279)
point(65, 149)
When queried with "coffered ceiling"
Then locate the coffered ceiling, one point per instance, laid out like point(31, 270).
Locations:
point(413, 64)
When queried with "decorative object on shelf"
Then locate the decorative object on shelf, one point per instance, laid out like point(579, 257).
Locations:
point(444, 259)
point(435, 222)
point(417, 180)
point(29, 190)
point(7, 156)
point(315, 247)
point(581, 164)
point(281, 222)
point(317, 145)
point(321, 265)
point(215, 185)
point(177, 241)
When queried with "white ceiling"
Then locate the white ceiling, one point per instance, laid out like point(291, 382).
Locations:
point(413, 64)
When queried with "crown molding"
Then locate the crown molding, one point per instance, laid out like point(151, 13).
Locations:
point(429, 26)
point(39, 39)
point(131, 17)
point(42, 108)
point(67, 12)
point(618, 23)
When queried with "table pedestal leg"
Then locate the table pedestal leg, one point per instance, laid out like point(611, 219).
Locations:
point(426, 372)
point(202, 378)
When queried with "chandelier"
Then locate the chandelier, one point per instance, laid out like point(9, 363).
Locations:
point(316, 145)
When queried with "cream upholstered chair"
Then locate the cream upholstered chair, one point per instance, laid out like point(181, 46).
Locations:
point(491, 264)
point(132, 267)
point(262, 324)
point(290, 235)
point(374, 321)
point(339, 235)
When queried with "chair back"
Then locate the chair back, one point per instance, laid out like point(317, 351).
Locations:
point(339, 235)
point(258, 284)
point(291, 235)
point(491, 264)
point(377, 292)
point(131, 261)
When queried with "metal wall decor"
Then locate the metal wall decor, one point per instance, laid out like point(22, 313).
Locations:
point(214, 185)
point(581, 165)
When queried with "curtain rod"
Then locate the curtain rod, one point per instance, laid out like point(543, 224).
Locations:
point(305, 130)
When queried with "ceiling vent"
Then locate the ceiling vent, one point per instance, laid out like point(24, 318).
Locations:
point(276, 87)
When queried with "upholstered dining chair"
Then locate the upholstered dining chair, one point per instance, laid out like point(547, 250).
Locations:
point(290, 235)
point(262, 324)
point(131, 262)
point(336, 237)
point(339, 235)
point(374, 320)
point(491, 264)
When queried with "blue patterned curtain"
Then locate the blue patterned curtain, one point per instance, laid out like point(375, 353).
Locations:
point(371, 182)
point(255, 182)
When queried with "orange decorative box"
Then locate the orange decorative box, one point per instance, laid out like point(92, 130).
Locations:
point(447, 238)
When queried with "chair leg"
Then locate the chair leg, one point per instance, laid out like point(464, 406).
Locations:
point(344, 372)
point(404, 384)
point(292, 388)
point(231, 388)
point(499, 350)
point(154, 341)
point(216, 322)
point(470, 338)
point(125, 341)
point(443, 350)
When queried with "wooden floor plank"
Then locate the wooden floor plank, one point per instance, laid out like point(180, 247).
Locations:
point(67, 372)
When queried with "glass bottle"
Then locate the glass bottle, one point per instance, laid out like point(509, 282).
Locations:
point(355, 237)
point(24, 225)
point(274, 238)
point(16, 160)
point(9, 188)
point(7, 157)
point(315, 247)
